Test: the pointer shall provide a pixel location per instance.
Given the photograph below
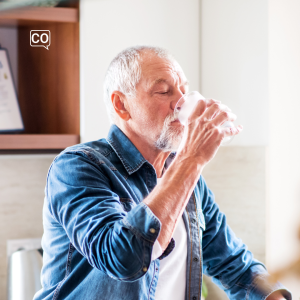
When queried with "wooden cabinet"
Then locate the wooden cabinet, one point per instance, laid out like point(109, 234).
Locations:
point(48, 80)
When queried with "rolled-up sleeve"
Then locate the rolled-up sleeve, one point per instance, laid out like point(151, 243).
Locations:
point(227, 259)
point(255, 284)
point(81, 200)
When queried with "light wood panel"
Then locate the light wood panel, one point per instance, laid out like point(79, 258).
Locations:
point(31, 15)
point(49, 80)
point(37, 141)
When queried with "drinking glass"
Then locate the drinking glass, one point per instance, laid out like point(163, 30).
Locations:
point(185, 106)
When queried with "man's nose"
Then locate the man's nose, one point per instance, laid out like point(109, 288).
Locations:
point(176, 98)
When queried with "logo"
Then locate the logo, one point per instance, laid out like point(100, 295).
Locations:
point(40, 38)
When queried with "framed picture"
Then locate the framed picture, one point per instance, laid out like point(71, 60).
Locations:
point(10, 114)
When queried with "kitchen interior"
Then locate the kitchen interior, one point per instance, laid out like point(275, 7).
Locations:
point(244, 53)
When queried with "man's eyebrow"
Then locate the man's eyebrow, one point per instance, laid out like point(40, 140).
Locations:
point(157, 81)
point(160, 80)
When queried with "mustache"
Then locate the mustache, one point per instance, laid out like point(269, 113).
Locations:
point(170, 118)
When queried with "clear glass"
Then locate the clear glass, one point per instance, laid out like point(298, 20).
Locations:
point(185, 106)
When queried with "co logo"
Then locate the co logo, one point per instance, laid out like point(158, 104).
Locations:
point(40, 38)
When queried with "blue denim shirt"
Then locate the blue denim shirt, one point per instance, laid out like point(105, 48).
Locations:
point(97, 240)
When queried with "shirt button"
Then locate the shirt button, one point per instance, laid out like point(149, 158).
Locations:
point(195, 259)
point(152, 230)
point(194, 298)
point(145, 269)
point(193, 220)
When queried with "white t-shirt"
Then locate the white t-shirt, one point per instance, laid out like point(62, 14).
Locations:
point(172, 272)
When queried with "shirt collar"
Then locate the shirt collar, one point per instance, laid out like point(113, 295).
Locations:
point(129, 155)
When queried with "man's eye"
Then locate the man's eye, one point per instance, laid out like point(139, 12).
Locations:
point(162, 93)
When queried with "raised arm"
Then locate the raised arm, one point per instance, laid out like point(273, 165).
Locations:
point(202, 138)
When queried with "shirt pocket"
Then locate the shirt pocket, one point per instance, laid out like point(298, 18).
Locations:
point(127, 204)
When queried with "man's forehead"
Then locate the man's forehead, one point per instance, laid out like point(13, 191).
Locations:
point(157, 70)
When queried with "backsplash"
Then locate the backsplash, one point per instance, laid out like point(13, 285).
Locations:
point(237, 178)
point(22, 183)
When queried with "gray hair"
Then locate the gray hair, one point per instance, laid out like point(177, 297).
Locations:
point(124, 73)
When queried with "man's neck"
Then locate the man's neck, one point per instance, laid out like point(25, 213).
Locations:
point(153, 155)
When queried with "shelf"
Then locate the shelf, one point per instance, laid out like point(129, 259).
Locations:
point(32, 15)
point(48, 80)
point(37, 141)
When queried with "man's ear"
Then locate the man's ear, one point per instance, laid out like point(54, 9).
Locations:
point(118, 100)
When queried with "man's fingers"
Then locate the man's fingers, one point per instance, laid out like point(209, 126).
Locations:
point(215, 109)
point(222, 117)
point(229, 131)
point(210, 102)
point(198, 110)
point(212, 109)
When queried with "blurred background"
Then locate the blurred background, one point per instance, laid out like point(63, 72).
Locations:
point(245, 53)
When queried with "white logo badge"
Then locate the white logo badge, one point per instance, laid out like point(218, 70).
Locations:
point(40, 38)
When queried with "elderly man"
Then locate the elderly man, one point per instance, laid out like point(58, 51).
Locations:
point(128, 218)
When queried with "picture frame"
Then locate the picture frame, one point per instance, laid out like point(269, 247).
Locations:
point(10, 114)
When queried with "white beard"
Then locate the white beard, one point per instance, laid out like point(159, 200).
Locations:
point(171, 136)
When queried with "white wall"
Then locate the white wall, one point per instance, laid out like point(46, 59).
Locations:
point(284, 146)
point(234, 63)
point(250, 59)
point(109, 26)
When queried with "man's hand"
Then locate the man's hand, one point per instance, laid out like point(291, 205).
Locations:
point(275, 296)
point(203, 134)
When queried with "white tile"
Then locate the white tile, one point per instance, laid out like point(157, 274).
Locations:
point(237, 178)
point(22, 183)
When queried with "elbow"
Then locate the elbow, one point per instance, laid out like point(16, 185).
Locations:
point(127, 267)
point(129, 275)
point(122, 261)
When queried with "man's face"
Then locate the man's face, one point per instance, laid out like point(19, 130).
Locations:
point(162, 84)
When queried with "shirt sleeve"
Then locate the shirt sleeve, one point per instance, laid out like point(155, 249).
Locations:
point(80, 198)
point(228, 261)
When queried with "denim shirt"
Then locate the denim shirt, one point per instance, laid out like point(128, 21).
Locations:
point(98, 233)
